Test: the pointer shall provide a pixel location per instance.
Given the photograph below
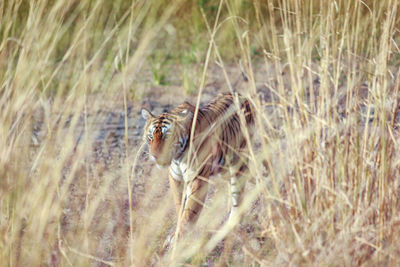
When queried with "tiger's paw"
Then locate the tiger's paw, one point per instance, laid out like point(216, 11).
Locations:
point(168, 243)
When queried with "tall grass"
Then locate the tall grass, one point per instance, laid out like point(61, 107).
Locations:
point(323, 173)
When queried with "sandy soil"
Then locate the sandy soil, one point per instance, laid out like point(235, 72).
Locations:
point(106, 122)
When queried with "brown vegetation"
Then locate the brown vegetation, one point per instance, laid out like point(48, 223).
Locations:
point(76, 187)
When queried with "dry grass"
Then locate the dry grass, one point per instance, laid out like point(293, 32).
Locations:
point(325, 168)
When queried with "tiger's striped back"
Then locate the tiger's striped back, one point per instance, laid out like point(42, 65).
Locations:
point(219, 131)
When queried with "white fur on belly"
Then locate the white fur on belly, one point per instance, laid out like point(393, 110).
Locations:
point(180, 171)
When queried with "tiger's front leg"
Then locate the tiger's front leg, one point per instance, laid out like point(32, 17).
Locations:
point(196, 192)
point(193, 196)
point(177, 191)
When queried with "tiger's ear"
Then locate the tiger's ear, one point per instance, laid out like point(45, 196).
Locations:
point(185, 116)
point(188, 109)
point(146, 114)
point(184, 112)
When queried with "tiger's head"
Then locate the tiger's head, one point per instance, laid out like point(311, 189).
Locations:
point(167, 134)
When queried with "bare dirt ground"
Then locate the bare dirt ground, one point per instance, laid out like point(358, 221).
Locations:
point(104, 168)
point(103, 127)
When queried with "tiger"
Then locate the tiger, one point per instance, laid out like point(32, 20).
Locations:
point(218, 146)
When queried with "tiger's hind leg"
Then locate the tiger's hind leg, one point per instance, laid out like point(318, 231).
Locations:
point(237, 185)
